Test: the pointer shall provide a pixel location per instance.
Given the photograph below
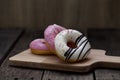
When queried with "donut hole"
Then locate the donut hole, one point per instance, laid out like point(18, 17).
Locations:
point(71, 44)
point(44, 42)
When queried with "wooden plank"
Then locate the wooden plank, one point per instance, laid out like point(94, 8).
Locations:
point(111, 43)
point(71, 13)
point(96, 58)
point(108, 37)
point(8, 37)
point(8, 72)
point(55, 75)
point(107, 74)
point(48, 12)
point(11, 72)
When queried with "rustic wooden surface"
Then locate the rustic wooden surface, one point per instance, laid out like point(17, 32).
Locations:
point(8, 72)
point(7, 41)
point(95, 59)
point(108, 39)
point(69, 13)
point(27, 59)
point(12, 73)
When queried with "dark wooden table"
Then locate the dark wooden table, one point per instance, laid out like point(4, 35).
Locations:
point(13, 41)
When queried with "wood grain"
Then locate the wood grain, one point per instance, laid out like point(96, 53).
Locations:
point(8, 37)
point(96, 58)
point(106, 39)
point(78, 14)
point(13, 73)
point(48, 61)
point(55, 75)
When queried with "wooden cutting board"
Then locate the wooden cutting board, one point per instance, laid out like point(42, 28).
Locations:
point(96, 58)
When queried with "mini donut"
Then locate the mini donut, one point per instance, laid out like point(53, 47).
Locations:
point(38, 46)
point(50, 33)
point(69, 53)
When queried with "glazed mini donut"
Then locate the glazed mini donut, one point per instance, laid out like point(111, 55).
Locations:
point(38, 46)
point(50, 33)
point(72, 54)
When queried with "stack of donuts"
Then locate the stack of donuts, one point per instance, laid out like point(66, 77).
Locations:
point(68, 44)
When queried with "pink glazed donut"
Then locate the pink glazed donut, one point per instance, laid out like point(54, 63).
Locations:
point(38, 46)
point(50, 33)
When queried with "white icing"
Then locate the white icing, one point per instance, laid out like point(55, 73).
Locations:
point(71, 35)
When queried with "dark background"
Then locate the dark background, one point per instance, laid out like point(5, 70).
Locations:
point(77, 14)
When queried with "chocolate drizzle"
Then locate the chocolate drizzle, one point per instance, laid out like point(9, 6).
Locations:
point(86, 53)
point(82, 49)
point(68, 54)
point(78, 39)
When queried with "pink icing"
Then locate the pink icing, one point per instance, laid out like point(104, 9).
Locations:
point(38, 44)
point(50, 34)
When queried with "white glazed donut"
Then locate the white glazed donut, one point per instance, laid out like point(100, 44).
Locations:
point(67, 53)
